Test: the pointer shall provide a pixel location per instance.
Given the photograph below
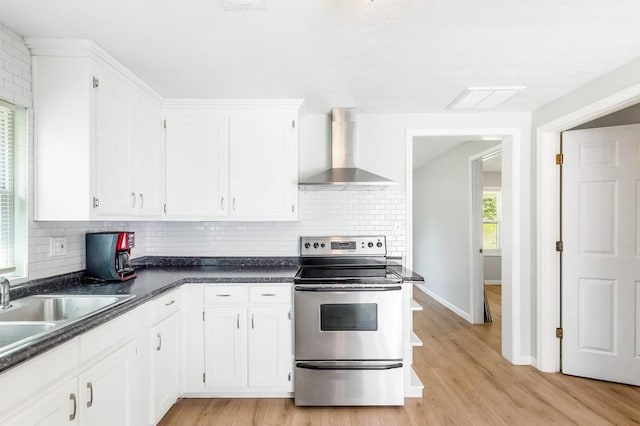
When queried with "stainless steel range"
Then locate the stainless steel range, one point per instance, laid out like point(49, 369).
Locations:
point(348, 324)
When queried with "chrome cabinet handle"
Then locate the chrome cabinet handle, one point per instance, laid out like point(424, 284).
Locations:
point(90, 388)
point(170, 303)
point(238, 322)
point(223, 295)
point(252, 318)
point(133, 199)
point(221, 203)
point(72, 416)
point(159, 342)
point(141, 200)
point(268, 294)
point(234, 203)
point(293, 208)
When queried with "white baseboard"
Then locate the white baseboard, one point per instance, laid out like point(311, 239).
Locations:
point(492, 282)
point(465, 315)
point(525, 360)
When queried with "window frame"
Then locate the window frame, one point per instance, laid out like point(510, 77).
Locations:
point(498, 191)
point(20, 162)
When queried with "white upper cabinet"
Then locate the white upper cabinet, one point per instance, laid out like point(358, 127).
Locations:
point(107, 147)
point(197, 163)
point(232, 160)
point(264, 165)
point(98, 137)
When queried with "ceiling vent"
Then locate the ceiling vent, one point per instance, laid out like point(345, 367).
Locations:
point(484, 97)
point(244, 4)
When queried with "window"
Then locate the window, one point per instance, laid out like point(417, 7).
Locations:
point(7, 193)
point(491, 214)
point(13, 192)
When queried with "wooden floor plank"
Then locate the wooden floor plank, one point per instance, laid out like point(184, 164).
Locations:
point(466, 382)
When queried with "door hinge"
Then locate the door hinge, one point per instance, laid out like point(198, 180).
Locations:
point(559, 333)
point(559, 159)
point(164, 123)
point(204, 377)
point(289, 376)
point(96, 82)
point(289, 315)
point(559, 246)
point(293, 124)
point(202, 315)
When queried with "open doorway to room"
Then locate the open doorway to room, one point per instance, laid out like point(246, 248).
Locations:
point(462, 297)
point(448, 240)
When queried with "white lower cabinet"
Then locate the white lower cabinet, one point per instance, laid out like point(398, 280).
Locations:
point(225, 346)
point(241, 344)
point(58, 406)
point(106, 389)
point(269, 347)
point(165, 355)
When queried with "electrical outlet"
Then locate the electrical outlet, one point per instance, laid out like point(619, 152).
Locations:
point(57, 246)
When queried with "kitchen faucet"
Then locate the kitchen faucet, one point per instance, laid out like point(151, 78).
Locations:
point(5, 297)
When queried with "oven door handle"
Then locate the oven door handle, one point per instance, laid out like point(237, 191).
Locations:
point(364, 366)
point(352, 289)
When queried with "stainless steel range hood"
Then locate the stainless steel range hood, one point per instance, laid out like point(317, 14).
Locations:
point(343, 174)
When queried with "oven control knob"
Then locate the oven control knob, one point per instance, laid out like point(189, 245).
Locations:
point(370, 244)
point(322, 245)
point(307, 245)
point(379, 244)
point(315, 245)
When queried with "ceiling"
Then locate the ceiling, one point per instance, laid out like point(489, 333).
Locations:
point(386, 56)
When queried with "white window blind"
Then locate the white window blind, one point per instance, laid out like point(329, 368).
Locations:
point(7, 213)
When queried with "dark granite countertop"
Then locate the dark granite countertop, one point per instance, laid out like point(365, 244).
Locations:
point(155, 275)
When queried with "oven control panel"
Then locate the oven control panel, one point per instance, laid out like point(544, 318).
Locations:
point(343, 246)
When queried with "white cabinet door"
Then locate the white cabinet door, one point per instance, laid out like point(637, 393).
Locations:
point(270, 347)
point(196, 163)
point(165, 366)
point(225, 343)
point(105, 389)
point(59, 406)
point(263, 165)
point(114, 130)
point(147, 152)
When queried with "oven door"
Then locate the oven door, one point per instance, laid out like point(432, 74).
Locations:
point(348, 322)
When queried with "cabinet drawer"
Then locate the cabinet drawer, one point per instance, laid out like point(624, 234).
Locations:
point(225, 294)
point(166, 304)
point(260, 294)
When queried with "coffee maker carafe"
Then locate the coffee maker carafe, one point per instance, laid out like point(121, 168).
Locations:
point(109, 255)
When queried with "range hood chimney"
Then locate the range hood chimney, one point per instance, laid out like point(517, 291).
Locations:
point(343, 174)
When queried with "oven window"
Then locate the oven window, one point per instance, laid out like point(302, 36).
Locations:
point(349, 317)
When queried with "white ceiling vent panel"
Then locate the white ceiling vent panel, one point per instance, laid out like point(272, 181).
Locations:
point(484, 97)
point(244, 4)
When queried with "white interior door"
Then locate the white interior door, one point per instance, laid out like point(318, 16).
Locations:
point(600, 261)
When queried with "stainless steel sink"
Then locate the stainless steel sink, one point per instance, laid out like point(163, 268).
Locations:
point(35, 316)
point(58, 308)
point(12, 332)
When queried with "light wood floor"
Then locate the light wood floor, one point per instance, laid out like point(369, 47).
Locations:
point(466, 383)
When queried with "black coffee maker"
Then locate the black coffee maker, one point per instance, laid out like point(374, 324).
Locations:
point(109, 255)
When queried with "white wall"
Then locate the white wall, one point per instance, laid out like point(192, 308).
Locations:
point(492, 269)
point(441, 213)
point(492, 179)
